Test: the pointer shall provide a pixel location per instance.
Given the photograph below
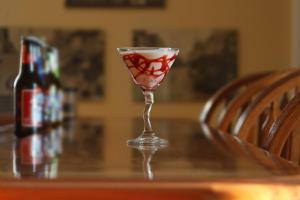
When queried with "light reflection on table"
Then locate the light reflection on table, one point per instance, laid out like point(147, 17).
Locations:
point(96, 149)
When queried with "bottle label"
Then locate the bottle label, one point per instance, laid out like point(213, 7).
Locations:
point(60, 105)
point(46, 106)
point(32, 107)
point(54, 101)
point(51, 104)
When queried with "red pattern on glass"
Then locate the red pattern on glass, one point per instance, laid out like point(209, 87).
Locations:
point(142, 64)
point(144, 67)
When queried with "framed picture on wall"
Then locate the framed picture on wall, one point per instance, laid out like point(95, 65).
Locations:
point(81, 55)
point(207, 60)
point(115, 3)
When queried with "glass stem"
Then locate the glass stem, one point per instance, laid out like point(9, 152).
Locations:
point(149, 100)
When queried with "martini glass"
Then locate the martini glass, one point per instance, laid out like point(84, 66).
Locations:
point(148, 66)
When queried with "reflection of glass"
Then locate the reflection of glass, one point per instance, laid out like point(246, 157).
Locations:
point(148, 152)
point(148, 67)
point(37, 155)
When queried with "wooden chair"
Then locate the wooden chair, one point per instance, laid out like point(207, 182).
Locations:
point(267, 105)
point(210, 114)
point(262, 113)
point(238, 147)
point(283, 128)
point(256, 107)
point(236, 107)
point(228, 104)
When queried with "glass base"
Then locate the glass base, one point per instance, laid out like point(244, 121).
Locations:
point(147, 141)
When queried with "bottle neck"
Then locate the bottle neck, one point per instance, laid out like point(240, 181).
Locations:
point(27, 58)
point(56, 73)
point(52, 57)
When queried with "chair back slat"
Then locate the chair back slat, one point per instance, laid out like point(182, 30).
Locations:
point(225, 95)
point(262, 109)
point(267, 99)
point(283, 127)
point(241, 102)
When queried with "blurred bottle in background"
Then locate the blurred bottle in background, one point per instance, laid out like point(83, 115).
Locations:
point(38, 93)
point(28, 95)
point(51, 89)
point(40, 62)
point(38, 109)
point(58, 111)
point(54, 113)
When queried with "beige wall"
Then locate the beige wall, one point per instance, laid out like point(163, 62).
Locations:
point(295, 33)
point(264, 27)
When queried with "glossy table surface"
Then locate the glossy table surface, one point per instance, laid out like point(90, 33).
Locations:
point(93, 153)
point(97, 149)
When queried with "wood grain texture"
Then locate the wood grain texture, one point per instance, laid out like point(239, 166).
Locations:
point(240, 103)
point(224, 94)
point(218, 190)
point(283, 127)
point(5, 120)
point(265, 100)
point(249, 107)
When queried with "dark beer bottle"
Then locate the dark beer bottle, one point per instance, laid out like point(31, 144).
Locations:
point(28, 95)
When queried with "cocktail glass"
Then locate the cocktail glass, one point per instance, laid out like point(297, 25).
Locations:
point(148, 66)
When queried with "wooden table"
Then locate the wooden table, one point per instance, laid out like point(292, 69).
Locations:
point(89, 159)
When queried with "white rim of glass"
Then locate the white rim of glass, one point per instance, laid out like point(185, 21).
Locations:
point(124, 49)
